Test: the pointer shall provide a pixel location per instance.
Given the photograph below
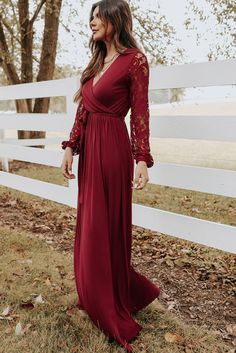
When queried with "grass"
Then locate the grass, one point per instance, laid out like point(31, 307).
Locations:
point(30, 267)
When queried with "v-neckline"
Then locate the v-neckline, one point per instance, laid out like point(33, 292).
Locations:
point(95, 84)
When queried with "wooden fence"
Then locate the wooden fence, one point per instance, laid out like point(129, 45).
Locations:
point(208, 180)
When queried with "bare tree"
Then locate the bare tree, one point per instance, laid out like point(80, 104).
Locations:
point(17, 41)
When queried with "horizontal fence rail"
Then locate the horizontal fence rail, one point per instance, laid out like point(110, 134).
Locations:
point(201, 127)
point(211, 73)
point(187, 127)
point(209, 180)
point(194, 127)
point(36, 122)
point(51, 88)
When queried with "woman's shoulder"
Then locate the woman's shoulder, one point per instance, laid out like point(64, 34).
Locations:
point(136, 54)
point(134, 60)
point(137, 58)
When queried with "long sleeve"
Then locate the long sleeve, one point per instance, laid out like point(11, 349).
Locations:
point(74, 139)
point(139, 117)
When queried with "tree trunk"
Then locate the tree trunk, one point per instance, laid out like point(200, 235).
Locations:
point(48, 54)
point(47, 59)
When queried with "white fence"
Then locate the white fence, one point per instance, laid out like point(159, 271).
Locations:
point(209, 180)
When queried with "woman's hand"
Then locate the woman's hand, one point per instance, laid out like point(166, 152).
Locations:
point(141, 175)
point(66, 165)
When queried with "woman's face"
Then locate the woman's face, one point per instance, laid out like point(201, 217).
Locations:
point(100, 32)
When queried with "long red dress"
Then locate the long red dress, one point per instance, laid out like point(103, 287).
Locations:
point(109, 288)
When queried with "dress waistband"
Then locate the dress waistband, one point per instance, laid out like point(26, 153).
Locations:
point(118, 115)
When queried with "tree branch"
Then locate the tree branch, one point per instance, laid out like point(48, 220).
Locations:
point(8, 27)
point(15, 15)
point(26, 42)
point(6, 59)
point(35, 15)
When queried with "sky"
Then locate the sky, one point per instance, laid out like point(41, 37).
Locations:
point(175, 12)
point(74, 52)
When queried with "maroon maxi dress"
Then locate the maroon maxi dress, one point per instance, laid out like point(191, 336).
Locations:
point(109, 288)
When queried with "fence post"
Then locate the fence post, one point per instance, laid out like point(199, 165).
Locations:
point(5, 163)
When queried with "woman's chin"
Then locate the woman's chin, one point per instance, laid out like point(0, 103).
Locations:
point(97, 36)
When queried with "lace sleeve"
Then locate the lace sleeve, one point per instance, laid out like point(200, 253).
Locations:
point(139, 117)
point(74, 138)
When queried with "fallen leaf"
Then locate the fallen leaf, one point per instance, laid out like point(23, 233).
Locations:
point(6, 311)
point(231, 329)
point(39, 299)
point(6, 318)
point(18, 330)
point(188, 350)
point(48, 282)
point(171, 305)
point(173, 338)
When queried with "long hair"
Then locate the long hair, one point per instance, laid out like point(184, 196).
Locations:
point(118, 13)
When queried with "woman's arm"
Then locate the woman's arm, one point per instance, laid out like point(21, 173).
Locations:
point(139, 117)
point(74, 140)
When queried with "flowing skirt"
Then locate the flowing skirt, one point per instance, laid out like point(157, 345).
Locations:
point(109, 288)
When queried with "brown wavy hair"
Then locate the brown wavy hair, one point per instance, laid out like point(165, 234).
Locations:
point(118, 13)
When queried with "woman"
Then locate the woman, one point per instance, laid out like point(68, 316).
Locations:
point(115, 80)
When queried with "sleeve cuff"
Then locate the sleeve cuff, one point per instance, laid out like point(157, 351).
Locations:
point(75, 148)
point(147, 158)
